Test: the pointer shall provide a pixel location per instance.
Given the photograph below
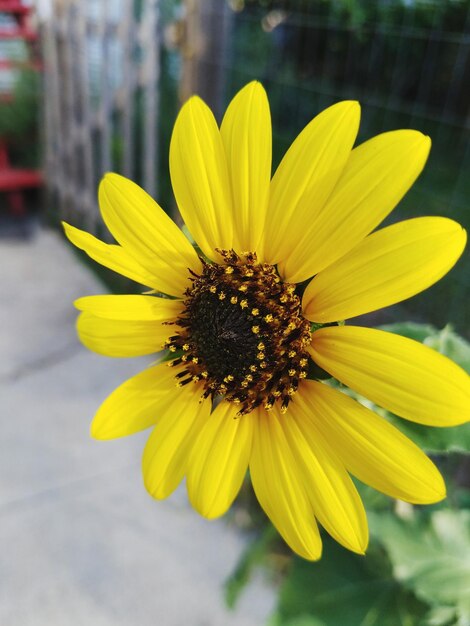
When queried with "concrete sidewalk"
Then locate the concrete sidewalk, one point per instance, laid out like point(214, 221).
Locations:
point(81, 542)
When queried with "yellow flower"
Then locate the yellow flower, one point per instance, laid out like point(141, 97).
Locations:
point(239, 329)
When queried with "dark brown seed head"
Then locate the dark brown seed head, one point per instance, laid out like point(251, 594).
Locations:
point(242, 334)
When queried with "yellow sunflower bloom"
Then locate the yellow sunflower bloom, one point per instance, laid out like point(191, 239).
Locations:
point(241, 332)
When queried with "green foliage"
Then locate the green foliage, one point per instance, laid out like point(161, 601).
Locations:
point(437, 566)
point(20, 116)
point(346, 589)
point(251, 558)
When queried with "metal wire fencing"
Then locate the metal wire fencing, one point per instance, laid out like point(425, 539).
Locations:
point(406, 62)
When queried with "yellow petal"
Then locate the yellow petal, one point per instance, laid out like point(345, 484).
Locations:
point(122, 338)
point(333, 496)
point(388, 266)
point(147, 233)
point(167, 451)
point(246, 134)
point(397, 373)
point(131, 308)
point(137, 403)
point(279, 486)
point(377, 175)
point(111, 256)
point(219, 460)
point(306, 176)
point(200, 179)
point(371, 448)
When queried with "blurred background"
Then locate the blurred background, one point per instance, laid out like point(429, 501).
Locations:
point(88, 86)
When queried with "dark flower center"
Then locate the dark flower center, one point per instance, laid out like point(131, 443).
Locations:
point(242, 334)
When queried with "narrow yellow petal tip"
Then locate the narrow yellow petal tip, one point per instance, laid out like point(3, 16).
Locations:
point(67, 229)
point(254, 85)
point(112, 178)
point(423, 142)
point(96, 432)
point(314, 555)
point(78, 303)
point(352, 106)
point(193, 101)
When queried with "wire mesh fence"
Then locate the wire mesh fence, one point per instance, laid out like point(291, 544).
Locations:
point(406, 62)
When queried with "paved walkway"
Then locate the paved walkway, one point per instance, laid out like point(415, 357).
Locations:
point(81, 543)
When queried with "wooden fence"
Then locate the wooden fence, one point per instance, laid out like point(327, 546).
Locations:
point(101, 62)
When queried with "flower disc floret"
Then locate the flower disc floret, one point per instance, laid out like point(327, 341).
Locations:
point(243, 334)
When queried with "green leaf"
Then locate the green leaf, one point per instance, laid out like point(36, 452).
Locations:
point(254, 556)
point(441, 616)
point(452, 345)
point(446, 341)
point(437, 566)
point(343, 589)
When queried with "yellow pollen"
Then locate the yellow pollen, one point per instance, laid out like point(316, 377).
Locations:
point(303, 375)
point(255, 330)
point(263, 364)
point(243, 303)
point(243, 288)
point(221, 295)
point(303, 362)
point(291, 372)
point(186, 347)
point(229, 269)
point(233, 300)
point(253, 368)
point(291, 354)
point(255, 311)
point(268, 318)
point(212, 288)
point(260, 346)
point(260, 356)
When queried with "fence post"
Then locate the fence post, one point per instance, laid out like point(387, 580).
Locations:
point(204, 47)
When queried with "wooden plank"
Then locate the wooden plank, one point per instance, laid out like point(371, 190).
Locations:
point(150, 77)
point(127, 36)
point(105, 95)
point(85, 127)
point(204, 49)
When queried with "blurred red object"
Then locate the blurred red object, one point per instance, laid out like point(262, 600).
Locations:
point(14, 181)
